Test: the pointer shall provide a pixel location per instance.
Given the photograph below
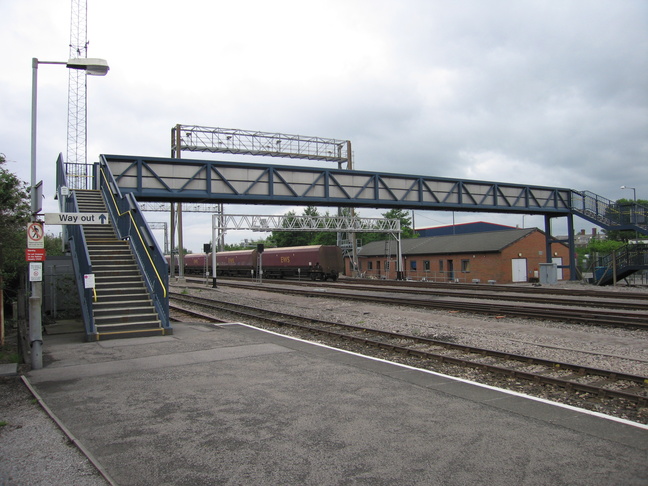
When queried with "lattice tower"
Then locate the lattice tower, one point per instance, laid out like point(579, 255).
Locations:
point(77, 169)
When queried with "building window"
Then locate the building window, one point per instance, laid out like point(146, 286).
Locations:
point(412, 264)
point(426, 264)
point(465, 266)
point(387, 265)
point(440, 265)
point(369, 265)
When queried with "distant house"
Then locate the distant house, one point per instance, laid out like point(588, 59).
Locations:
point(504, 256)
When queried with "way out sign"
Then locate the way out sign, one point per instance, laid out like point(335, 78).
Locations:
point(76, 218)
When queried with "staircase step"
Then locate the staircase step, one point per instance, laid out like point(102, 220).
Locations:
point(103, 249)
point(123, 314)
point(122, 261)
point(134, 324)
point(105, 305)
point(116, 263)
point(133, 333)
point(107, 297)
point(117, 272)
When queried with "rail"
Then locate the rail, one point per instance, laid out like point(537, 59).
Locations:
point(131, 225)
point(75, 237)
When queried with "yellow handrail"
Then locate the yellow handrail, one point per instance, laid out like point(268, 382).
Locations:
point(138, 232)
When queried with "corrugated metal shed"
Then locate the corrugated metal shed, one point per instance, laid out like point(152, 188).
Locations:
point(492, 241)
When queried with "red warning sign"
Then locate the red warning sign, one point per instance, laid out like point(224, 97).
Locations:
point(35, 254)
point(35, 235)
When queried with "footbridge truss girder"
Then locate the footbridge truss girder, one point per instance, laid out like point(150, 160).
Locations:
point(186, 180)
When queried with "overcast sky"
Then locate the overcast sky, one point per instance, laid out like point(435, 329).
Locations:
point(536, 92)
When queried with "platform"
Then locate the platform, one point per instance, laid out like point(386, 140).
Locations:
point(235, 405)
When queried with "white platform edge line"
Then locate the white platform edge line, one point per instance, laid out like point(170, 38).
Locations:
point(489, 387)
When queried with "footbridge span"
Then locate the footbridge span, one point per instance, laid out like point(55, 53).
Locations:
point(187, 180)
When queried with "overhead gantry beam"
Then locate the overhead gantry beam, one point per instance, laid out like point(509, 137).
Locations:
point(194, 138)
point(185, 180)
point(267, 223)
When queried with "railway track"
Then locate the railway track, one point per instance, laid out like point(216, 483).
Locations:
point(571, 377)
point(518, 289)
point(583, 310)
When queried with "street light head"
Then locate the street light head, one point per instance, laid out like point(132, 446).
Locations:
point(92, 66)
point(623, 187)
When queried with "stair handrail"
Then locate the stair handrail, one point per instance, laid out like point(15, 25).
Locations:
point(78, 249)
point(131, 225)
point(629, 255)
point(627, 215)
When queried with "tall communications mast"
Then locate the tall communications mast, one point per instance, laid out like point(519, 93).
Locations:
point(77, 169)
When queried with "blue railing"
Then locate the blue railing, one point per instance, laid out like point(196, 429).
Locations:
point(611, 214)
point(130, 225)
point(75, 237)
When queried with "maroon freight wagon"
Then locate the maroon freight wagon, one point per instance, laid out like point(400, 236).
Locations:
point(320, 262)
point(239, 263)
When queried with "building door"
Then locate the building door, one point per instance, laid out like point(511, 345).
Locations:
point(450, 271)
point(519, 269)
point(559, 271)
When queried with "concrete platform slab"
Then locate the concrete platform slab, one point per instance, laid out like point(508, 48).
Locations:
point(235, 405)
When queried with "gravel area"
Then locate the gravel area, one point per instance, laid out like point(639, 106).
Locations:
point(33, 449)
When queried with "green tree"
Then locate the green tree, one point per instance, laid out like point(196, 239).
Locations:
point(15, 213)
point(53, 245)
point(405, 223)
point(294, 238)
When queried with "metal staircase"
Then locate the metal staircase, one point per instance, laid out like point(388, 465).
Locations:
point(122, 306)
point(610, 214)
point(621, 263)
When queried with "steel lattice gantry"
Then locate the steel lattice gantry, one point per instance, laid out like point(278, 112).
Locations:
point(267, 223)
point(246, 142)
point(186, 180)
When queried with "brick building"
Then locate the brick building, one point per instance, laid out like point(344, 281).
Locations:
point(506, 256)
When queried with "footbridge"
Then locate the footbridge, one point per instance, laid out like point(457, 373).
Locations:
point(122, 181)
point(186, 180)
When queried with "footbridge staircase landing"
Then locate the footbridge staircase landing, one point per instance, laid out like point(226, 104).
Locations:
point(610, 215)
point(130, 297)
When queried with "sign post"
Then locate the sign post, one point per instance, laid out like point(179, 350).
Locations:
point(35, 242)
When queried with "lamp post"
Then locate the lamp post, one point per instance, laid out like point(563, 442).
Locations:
point(92, 66)
point(634, 192)
point(634, 209)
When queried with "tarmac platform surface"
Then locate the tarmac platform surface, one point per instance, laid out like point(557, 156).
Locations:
point(235, 405)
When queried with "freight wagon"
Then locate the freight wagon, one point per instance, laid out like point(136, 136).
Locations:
point(320, 262)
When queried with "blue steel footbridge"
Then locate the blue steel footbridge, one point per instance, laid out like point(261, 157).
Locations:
point(124, 180)
point(187, 180)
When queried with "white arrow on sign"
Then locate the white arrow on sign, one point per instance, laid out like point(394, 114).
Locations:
point(76, 218)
